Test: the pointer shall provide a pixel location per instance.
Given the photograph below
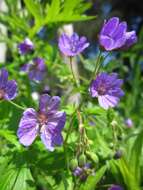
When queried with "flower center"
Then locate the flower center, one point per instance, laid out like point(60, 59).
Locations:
point(1, 94)
point(42, 118)
point(73, 46)
point(102, 90)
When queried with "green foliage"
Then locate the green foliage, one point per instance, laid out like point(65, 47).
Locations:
point(135, 157)
point(57, 12)
point(92, 137)
point(93, 180)
point(15, 178)
point(129, 178)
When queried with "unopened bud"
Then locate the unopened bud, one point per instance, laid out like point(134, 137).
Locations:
point(73, 164)
point(118, 154)
point(93, 157)
point(114, 123)
point(82, 160)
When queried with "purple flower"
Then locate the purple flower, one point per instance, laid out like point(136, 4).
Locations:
point(78, 171)
point(107, 88)
point(36, 70)
point(47, 122)
point(72, 45)
point(8, 89)
point(114, 35)
point(26, 46)
point(129, 123)
point(83, 172)
point(115, 187)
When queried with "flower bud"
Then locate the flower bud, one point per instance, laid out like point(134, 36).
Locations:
point(73, 164)
point(93, 157)
point(118, 154)
point(82, 160)
point(114, 123)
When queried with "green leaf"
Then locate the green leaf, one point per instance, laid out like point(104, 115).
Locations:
point(13, 21)
point(34, 8)
point(92, 181)
point(135, 156)
point(53, 10)
point(56, 13)
point(128, 177)
point(9, 136)
point(16, 178)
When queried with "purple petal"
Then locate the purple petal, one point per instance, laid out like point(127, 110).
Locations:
point(28, 127)
point(54, 103)
point(74, 37)
point(73, 45)
point(46, 138)
point(83, 44)
point(110, 26)
point(32, 74)
point(93, 90)
point(78, 171)
point(38, 75)
point(10, 90)
point(40, 63)
point(28, 42)
point(48, 103)
point(3, 78)
point(131, 38)
point(64, 44)
point(25, 67)
point(107, 101)
point(51, 133)
point(57, 120)
point(120, 31)
point(116, 92)
point(43, 103)
point(106, 42)
point(25, 46)
point(120, 43)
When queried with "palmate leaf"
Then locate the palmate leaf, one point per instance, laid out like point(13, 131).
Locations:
point(34, 8)
point(16, 178)
point(58, 11)
point(13, 21)
point(66, 12)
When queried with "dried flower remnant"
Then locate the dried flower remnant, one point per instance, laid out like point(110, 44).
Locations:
point(72, 45)
point(114, 35)
point(48, 122)
point(107, 88)
point(36, 70)
point(8, 88)
point(26, 46)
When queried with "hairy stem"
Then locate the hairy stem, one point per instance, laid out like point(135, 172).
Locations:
point(16, 105)
point(74, 78)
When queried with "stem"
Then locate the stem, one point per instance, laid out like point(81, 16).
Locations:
point(114, 137)
point(16, 105)
point(74, 78)
point(97, 65)
point(72, 116)
point(66, 157)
